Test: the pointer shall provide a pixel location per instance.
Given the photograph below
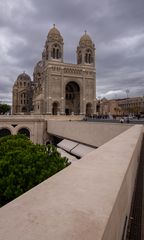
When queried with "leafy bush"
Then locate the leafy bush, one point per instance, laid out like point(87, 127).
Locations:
point(23, 165)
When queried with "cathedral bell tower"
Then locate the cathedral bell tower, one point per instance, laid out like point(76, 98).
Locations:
point(86, 51)
point(53, 50)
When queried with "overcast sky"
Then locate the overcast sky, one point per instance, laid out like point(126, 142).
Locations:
point(115, 26)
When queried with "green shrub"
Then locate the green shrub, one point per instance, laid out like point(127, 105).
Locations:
point(23, 165)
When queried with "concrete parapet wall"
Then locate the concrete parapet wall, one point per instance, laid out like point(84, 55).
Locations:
point(91, 133)
point(119, 216)
point(41, 116)
point(64, 117)
point(88, 200)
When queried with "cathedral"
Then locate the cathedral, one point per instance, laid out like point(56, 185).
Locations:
point(58, 87)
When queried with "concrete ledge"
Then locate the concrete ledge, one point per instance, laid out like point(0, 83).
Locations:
point(90, 133)
point(38, 117)
point(88, 200)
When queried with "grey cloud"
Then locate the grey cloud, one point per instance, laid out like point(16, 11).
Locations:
point(109, 22)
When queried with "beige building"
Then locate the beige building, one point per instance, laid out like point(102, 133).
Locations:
point(119, 107)
point(133, 105)
point(108, 107)
point(58, 87)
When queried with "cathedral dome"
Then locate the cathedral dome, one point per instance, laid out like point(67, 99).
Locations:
point(24, 77)
point(54, 34)
point(53, 31)
point(22, 80)
point(86, 41)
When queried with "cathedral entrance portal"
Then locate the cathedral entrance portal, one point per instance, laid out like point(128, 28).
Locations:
point(72, 96)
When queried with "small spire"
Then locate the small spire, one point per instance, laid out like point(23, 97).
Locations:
point(54, 25)
point(85, 32)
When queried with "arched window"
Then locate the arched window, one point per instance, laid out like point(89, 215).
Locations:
point(53, 55)
point(56, 53)
point(88, 56)
point(55, 108)
point(4, 132)
point(24, 131)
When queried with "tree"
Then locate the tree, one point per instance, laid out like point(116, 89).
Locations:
point(4, 108)
point(23, 165)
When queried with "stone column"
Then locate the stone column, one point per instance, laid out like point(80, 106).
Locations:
point(45, 89)
point(49, 51)
point(48, 91)
point(62, 111)
point(50, 105)
point(83, 56)
point(83, 110)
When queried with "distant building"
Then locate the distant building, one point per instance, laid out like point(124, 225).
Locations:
point(118, 107)
point(22, 94)
point(133, 105)
point(58, 87)
point(107, 107)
